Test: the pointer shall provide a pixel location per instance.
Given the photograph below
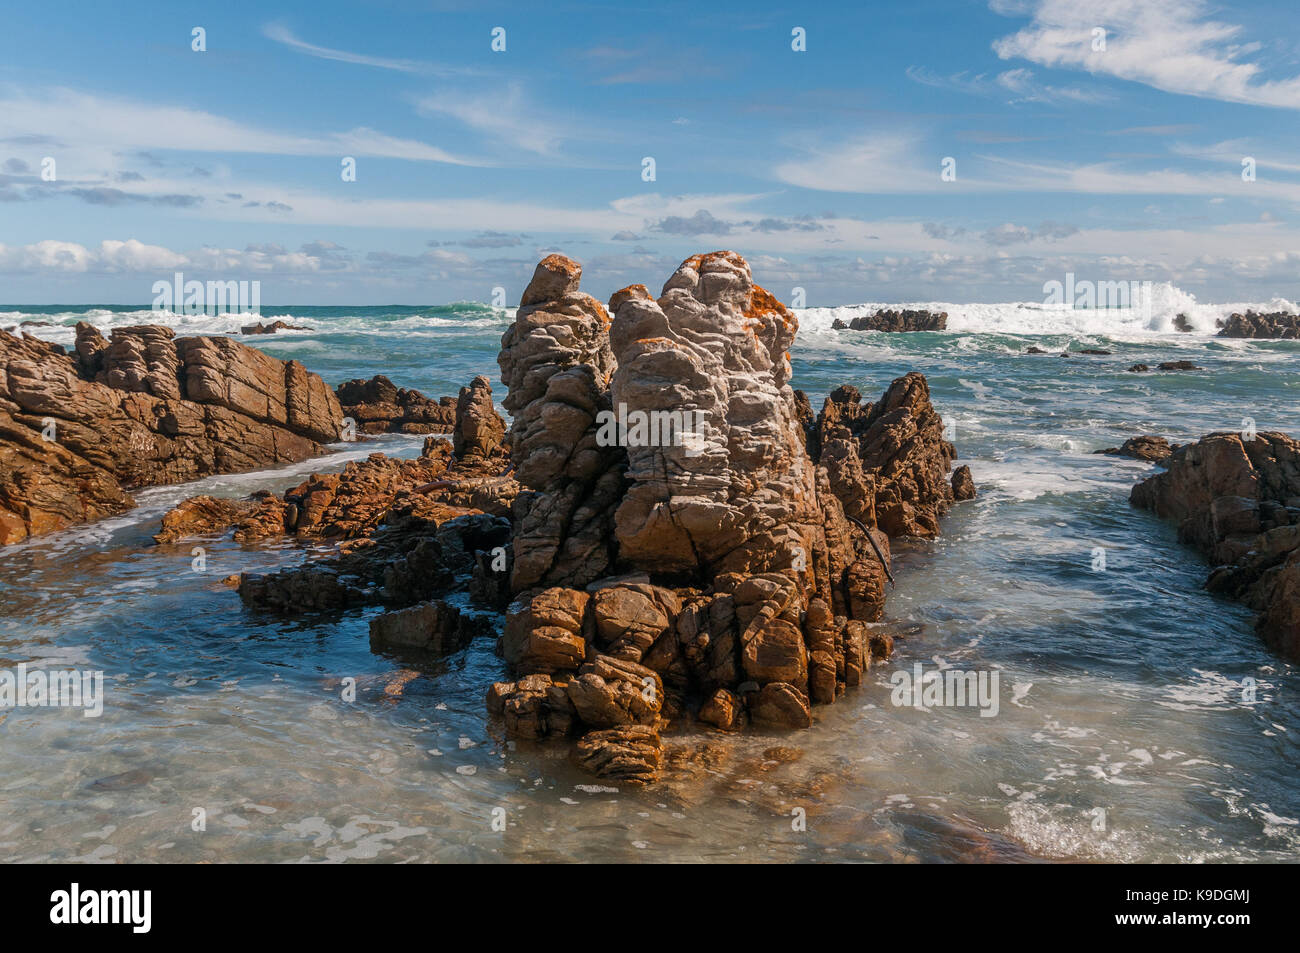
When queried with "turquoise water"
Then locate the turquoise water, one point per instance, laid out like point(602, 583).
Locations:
point(1121, 690)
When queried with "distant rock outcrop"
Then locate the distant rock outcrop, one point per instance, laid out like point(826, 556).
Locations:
point(272, 328)
point(1238, 501)
point(1166, 366)
point(79, 431)
point(895, 321)
point(1253, 324)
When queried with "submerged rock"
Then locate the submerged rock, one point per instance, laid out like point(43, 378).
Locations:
point(1166, 366)
point(1238, 502)
point(79, 432)
point(1146, 447)
point(432, 626)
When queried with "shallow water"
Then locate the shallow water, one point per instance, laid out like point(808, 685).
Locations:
point(1122, 732)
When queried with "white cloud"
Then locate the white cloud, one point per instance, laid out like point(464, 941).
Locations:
point(506, 116)
point(1171, 45)
point(100, 125)
point(881, 163)
point(282, 34)
point(58, 257)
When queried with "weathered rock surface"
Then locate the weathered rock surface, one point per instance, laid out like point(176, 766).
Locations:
point(1253, 324)
point(705, 548)
point(479, 430)
point(78, 432)
point(896, 321)
point(1146, 447)
point(556, 361)
point(379, 406)
point(1238, 502)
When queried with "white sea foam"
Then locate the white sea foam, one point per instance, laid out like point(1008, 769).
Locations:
point(1035, 318)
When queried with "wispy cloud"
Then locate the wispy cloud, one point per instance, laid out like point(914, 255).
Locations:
point(1014, 85)
point(1172, 45)
point(99, 123)
point(283, 35)
point(506, 116)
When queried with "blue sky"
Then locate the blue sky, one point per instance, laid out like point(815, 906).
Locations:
point(821, 166)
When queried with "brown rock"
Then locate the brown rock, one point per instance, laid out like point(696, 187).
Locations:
point(379, 406)
point(631, 754)
point(556, 362)
point(432, 626)
point(779, 705)
point(199, 515)
point(142, 410)
point(610, 692)
point(897, 321)
point(261, 328)
point(723, 710)
point(1146, 447)
point(479, 429)
point(545, 632)
point(963, 486)
point(1238, 501)
point(1252, 324)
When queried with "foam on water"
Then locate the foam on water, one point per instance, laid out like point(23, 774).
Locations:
point(1153, 320)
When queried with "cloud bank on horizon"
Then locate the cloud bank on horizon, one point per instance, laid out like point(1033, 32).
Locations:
point(947, 151)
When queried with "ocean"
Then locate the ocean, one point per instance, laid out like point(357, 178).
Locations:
point(1124, 733)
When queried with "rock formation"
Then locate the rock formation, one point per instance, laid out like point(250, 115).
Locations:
point(378, 406)
point(686, 542)
point(556, 361)
point(1146, 447)
point(1253, 324)
point(79, 431)
point(896, 321)
point(1238, 501)
point(693, 542)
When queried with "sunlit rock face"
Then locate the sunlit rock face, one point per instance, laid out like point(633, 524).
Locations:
point(79, 431)
point(556, 362)
point(697, 544)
